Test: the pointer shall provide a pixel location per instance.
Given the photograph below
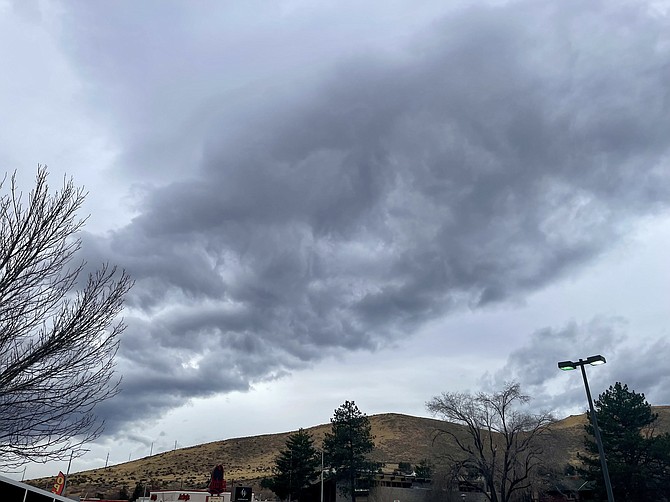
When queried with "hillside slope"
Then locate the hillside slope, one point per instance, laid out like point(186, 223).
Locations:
point(398, 438)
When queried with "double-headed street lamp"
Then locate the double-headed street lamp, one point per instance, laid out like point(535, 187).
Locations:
point(593, 361)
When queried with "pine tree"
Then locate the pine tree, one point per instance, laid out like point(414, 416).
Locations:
point(423, 469)
point(638, 461)
point(138, 491)
point(347, 447)
point(295, 468)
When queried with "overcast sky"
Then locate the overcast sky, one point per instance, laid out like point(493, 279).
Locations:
point(374, 201)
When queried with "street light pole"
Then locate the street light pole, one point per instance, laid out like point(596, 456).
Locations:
point(593, 361)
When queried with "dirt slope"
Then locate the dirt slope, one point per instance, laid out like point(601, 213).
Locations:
point(398, 438)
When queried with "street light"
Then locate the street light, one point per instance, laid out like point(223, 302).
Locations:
point(593, 361)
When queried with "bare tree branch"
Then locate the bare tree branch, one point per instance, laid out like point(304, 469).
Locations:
point(57, 337)
point(502, 447)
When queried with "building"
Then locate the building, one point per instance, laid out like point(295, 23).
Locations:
point(186, 496)
point(385, 487)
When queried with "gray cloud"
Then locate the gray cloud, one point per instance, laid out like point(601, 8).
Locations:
point(642, 366)
point(503, 148)
point(535, 364)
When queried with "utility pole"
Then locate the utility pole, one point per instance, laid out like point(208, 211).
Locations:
point(68, 472)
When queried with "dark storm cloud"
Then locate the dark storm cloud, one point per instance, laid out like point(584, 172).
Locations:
point(505, 147)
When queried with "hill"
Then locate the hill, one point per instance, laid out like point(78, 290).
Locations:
point(398, 438)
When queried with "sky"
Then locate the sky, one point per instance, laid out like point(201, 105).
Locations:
point(375, 201)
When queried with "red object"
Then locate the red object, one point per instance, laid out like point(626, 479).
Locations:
point(217, 485)
point(59, 484)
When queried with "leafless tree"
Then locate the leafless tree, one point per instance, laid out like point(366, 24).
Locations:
point(57, 337)
point(500, 447)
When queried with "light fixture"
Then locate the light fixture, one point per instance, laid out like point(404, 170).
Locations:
point(572, 365)
point(596, 360)
point(567, 365)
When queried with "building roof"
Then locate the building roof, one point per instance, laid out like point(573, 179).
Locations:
point(16, 491)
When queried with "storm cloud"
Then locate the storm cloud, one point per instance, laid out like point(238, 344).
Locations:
point(335, 200)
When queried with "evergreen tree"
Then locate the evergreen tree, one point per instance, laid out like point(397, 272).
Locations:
point(637, 460)
point(138, 491)
point(347, 447)
point(123, 493)
point(423, 469)
point(295, 468)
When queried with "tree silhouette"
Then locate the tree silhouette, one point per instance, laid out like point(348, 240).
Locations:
point(296, 467)
point(500, 445)
point(57, 338)
point(638, 460)
point(347, 445)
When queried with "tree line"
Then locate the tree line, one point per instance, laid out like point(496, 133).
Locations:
point(498, 451)
point(345, 453)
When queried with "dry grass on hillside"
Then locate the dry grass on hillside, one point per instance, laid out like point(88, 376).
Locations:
point(398, 438)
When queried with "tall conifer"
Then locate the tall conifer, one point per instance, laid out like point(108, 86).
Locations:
point(296, 467)
point(638, 460)
point(347, 447)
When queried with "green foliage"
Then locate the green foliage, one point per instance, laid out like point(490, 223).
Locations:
point(570, 470)
point(347, 447)
point(405, 467)
point(123, 493)
point(638, 461)
point(424, 469)
point(295, 468)
point(138, 491)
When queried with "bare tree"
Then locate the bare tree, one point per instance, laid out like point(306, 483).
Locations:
point(57, 338)
point(500, 446)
